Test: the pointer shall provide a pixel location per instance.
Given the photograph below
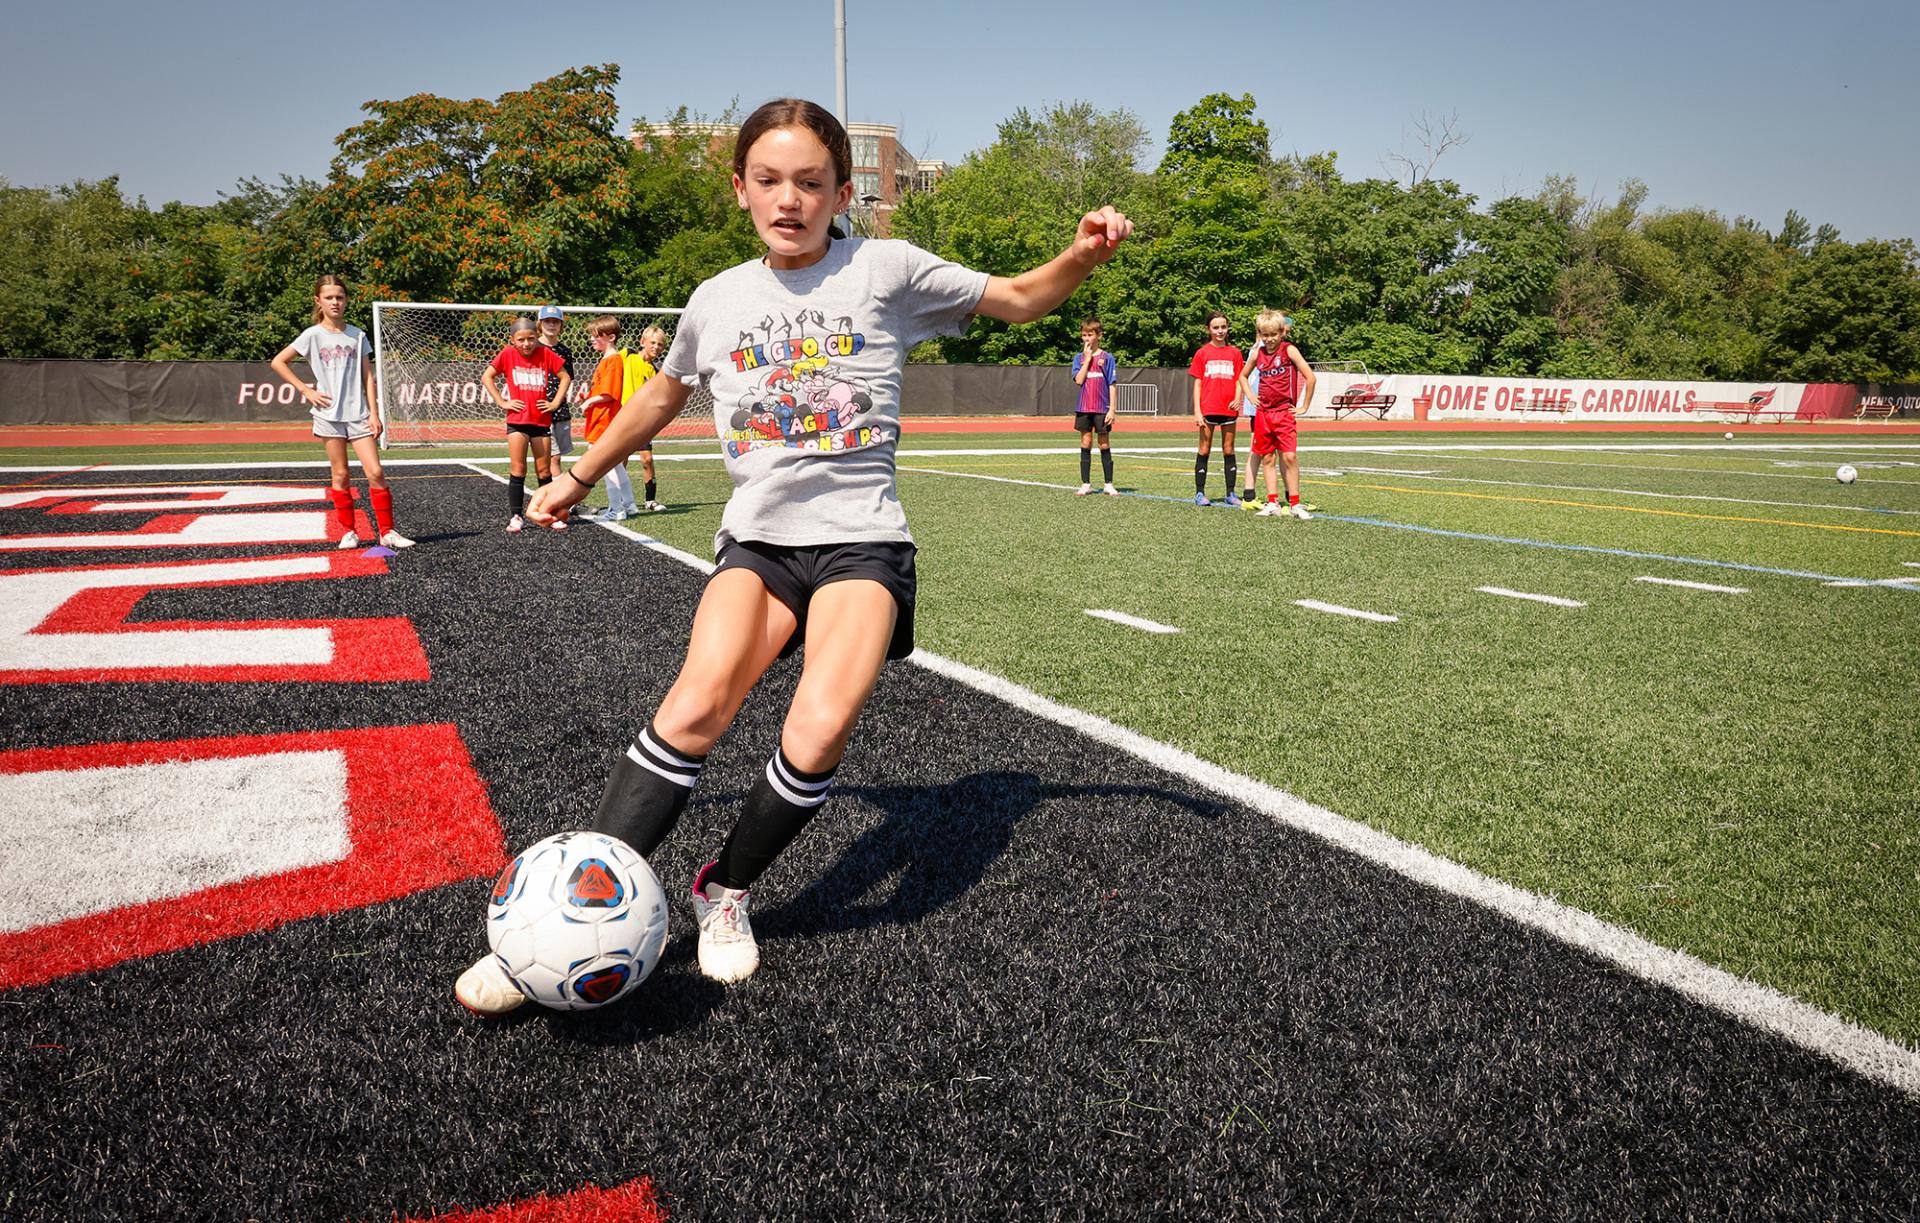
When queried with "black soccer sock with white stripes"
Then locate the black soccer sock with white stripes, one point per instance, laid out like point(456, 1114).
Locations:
point(777, 808)
point(1232, 465)
point(1106, 466)
point(646, 792)
point(1199, 473)
point(1086, 464)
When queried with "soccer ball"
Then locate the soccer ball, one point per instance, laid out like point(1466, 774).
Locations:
point(1729, 437)
point(577, 920)
point(1846, 475)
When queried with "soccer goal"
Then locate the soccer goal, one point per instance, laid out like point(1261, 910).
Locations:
point(430, 355)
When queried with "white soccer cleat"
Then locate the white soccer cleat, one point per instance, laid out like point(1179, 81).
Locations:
point(654, 507)
point(1300, 512)
point(559, 524)
point(394, 539)
point(1110, 490)
point(727, 950)
point(1083, 490)
point(349, 541)
point(514, 524)
point(1271, 510)
point(486, 989)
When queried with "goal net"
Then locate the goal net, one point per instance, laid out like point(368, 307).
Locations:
point(429, 357)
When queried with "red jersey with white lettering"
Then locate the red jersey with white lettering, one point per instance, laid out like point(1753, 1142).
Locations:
point(526, 379)
point(1279, 377)
point(1217, 366)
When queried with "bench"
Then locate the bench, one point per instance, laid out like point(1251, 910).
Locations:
point(1362, 401)
point(1882, 408)
point(1752, 413)
point(1560, 406)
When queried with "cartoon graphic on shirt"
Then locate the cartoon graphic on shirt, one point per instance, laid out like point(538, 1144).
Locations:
point(799, 398)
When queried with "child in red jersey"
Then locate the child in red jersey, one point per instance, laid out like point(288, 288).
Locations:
point(524, 367)
point(1215, 370)
point(1286, 382)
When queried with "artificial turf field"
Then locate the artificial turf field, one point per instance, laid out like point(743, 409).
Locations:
point(1037, 960)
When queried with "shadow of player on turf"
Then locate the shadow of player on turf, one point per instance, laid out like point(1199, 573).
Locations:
point(935, 845)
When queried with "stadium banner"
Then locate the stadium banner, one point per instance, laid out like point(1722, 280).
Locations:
point(1586, 399)
point(36, 392)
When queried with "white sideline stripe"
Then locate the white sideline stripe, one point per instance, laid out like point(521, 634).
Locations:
point(1145, 626)
point(1719, 590)
point(1337, 610)
point(1911, 564)
point(665, 549)
point(1867, 1053)
point(1555, 600)
point(1900, 581)
point(82, 841)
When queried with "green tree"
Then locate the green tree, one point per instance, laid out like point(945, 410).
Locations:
point(512, 199)
point(1014, 205)
point(1850, 312)
point(1216, 136)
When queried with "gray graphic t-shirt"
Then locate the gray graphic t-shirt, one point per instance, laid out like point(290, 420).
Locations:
point(337, 358)
point(805, 369)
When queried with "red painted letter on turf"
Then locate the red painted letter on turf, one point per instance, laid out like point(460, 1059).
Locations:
point(67, 625)
point(118, 851)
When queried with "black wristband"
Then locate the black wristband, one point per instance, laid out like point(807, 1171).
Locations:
point(575, 477)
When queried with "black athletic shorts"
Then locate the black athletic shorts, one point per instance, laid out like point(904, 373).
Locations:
point(1221, 418)
point(531, 430)
point(1091, 422)
point(792, 575)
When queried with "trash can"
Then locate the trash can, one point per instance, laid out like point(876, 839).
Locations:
point(1422, 404)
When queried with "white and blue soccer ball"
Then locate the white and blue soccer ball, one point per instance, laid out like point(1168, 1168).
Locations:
point(577, 920)
point(1846, 474)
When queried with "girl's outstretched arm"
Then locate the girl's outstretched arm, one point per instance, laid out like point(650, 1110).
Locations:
point(647, 411)
point(1039, 291)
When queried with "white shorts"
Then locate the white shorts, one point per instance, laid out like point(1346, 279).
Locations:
point(352, 430)
point(562, 436)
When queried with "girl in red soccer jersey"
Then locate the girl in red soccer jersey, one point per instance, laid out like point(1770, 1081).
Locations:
point(346, 408)
point(813, 545)
point(1286, 382)
point(1215, 371)
point(525, 365)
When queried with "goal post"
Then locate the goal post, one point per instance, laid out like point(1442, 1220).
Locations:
point(429, 356)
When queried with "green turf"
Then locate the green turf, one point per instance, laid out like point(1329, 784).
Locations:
point(1733, 775)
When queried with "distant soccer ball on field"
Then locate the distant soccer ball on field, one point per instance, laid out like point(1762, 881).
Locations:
point(1846, 475)
point(1729, 437)
point(577, 920)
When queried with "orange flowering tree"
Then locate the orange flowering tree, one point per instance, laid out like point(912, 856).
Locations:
point(515, 199)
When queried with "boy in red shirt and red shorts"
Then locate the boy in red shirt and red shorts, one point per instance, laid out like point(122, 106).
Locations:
point(1286, 382)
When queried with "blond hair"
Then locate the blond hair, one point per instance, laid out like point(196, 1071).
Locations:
point(1272, 322)
point(653, 333)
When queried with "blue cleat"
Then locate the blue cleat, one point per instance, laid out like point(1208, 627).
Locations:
point(1233, 501)
point(1201, 499)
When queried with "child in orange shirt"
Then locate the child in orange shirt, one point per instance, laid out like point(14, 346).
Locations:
point(604, 399)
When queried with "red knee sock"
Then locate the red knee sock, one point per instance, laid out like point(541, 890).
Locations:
point(382, 499)
point(342, 506)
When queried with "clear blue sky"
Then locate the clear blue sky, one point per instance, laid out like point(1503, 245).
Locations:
point(1744, 108)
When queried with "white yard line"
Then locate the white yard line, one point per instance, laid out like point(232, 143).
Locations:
point(1708, 586)
point(665, 549)
point(1554, 600)
point(1640, 492)
point(1867, 1053)
point(1337, 610)
point(1145, 626)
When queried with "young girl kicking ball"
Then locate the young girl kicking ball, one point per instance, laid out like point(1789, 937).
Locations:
point(346, 409)
point(813, 548)
point(525, 365)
